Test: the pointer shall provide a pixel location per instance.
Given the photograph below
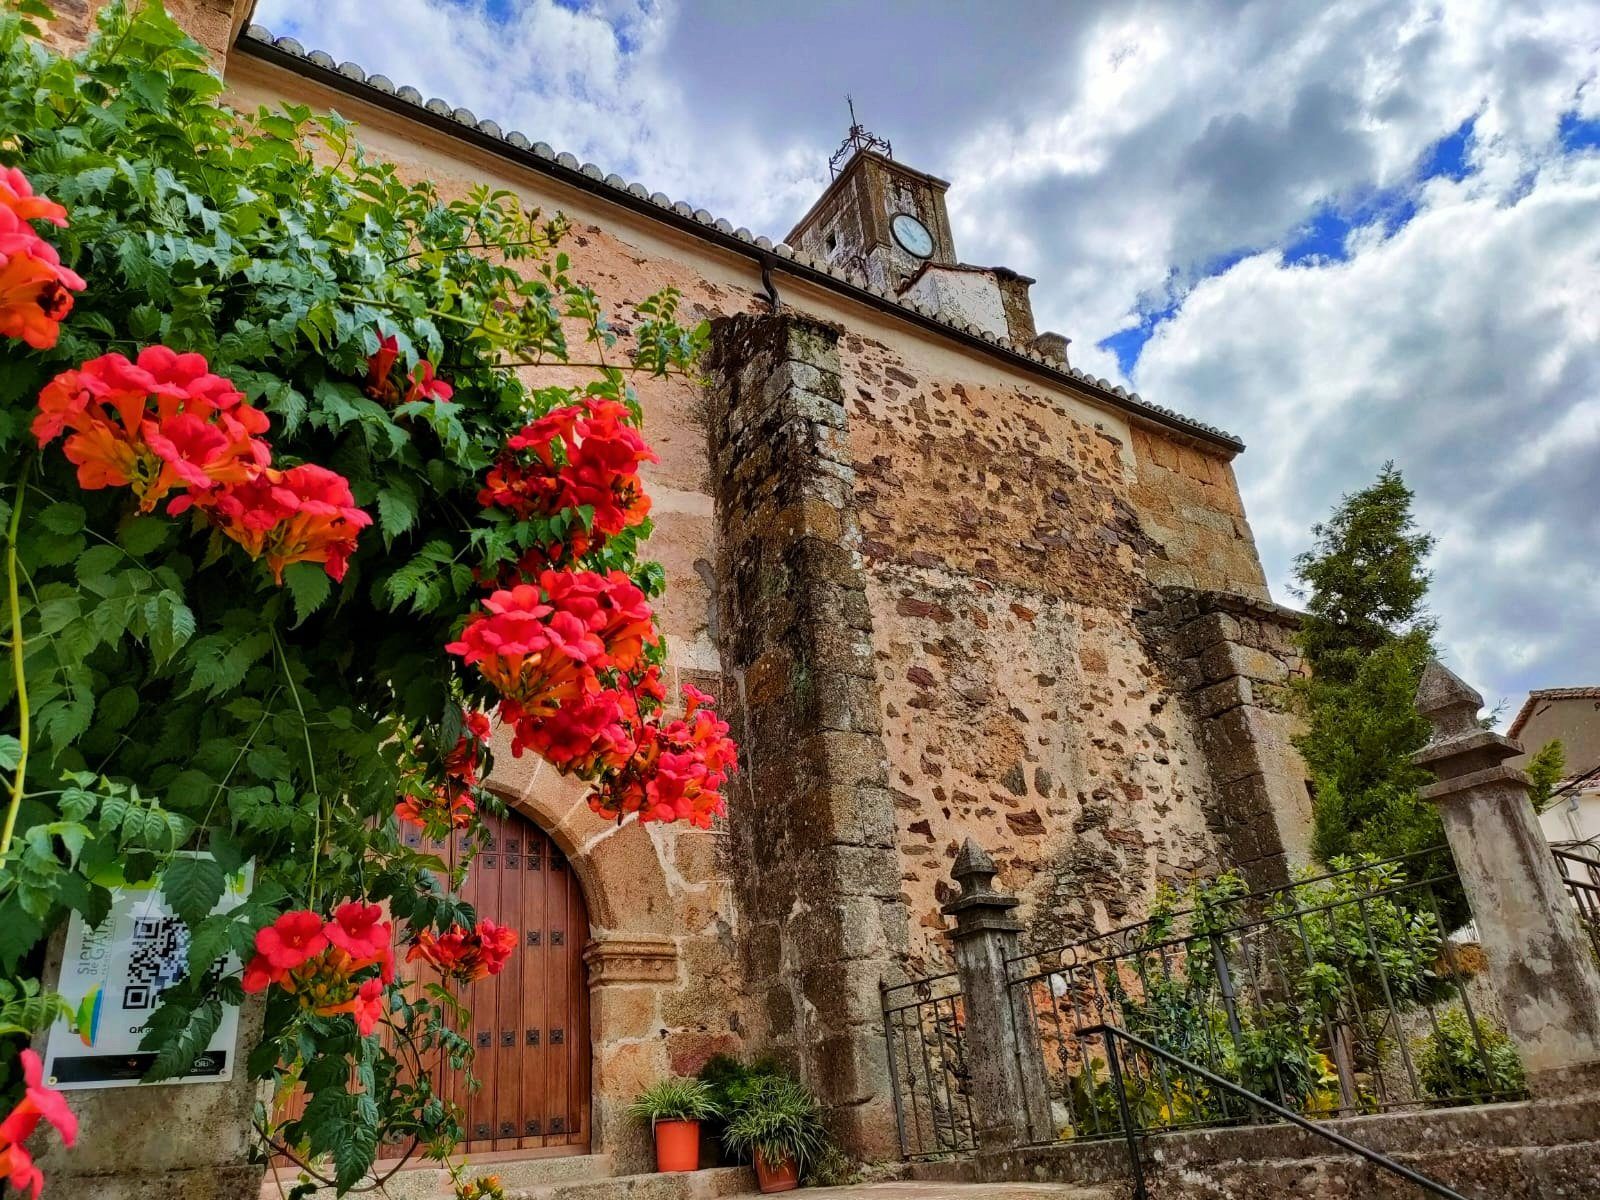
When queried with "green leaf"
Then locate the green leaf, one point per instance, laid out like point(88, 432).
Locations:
point(227, 852)
point(118, 706)
point(66, 720)
point(171, 624)
point(19, 932)
point(73, 836)
point(10, 752)
point(147, 826)
point(97, 562)
point(397, 509)
point(143, 534)
point(179, 1039)
point(218, 663)
point(62, 517)
point(355, 1148)
point(209, 940)
point(26, 1008)
point(309, 586)
point(192, 884)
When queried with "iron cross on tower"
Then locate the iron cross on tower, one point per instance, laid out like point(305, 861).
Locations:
point(859, 138)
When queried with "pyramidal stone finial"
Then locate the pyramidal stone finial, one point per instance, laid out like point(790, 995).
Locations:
point(973, 868)
point(1447, 701)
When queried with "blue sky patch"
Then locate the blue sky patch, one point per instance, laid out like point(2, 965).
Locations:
point(1447, 158)
point(1325, 237)
point(1578, 133)
point(1128, 344)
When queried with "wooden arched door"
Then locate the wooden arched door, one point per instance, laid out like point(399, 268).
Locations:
point(530, 1023)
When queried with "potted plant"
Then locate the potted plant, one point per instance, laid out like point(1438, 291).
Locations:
point(779, 1124)
point(675, 1108)
point(729, 1080)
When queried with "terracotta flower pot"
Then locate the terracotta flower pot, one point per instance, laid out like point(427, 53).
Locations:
point(784, 1177)
point(677, 1145)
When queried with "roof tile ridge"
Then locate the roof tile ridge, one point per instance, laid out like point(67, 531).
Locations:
point(464, 116)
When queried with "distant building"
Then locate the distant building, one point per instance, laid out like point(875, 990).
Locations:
point(1572, 716)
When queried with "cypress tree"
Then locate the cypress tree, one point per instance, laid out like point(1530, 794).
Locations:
point(1367, 635)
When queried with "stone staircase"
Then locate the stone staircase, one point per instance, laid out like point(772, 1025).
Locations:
point(575, 1177)
point(589, 1177)
point(711, 1184)
point(933, 1190)
point(1548, 1150)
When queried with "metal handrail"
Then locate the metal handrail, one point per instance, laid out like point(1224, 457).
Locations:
point(1112, 1032)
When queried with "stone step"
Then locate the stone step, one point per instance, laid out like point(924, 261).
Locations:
point(425, 1181)
point(1566, 1171)
point(1519, 1128)
point(712, 1184)
point(924, 1189)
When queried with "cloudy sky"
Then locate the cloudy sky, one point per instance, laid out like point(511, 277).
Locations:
point(1347, 230)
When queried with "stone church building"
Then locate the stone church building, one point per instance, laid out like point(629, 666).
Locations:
point(945, 585)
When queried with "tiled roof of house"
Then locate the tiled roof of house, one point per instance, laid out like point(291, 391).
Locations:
point(1541, 694)
point(380, 90)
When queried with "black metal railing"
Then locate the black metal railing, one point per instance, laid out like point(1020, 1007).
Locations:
point(1580, 871)
point(1337, 995)
point(924, 1031)
point(1125, 1050)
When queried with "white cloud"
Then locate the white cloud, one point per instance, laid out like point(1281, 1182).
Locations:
point(1466, 348)
point(1117, 152)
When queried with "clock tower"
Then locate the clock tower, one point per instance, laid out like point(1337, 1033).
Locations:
point(885, 224)
point(879, 219)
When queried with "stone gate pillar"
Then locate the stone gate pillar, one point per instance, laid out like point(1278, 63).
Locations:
point(1539, 960)
point(812, 821)
point(1010, 1098)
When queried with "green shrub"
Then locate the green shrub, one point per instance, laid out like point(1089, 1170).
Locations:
point(1452, 1064)
point(731, 1081)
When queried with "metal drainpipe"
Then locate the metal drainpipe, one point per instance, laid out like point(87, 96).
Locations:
point(768, 261)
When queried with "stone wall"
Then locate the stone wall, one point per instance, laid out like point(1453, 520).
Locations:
point(1023, 704)
point(813, 824)
point(1233, 659)
point(1188, 501)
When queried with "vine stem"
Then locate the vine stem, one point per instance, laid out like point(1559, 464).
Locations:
point(17, 651)
point(311, 761)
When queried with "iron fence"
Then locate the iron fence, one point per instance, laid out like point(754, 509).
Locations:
point(1580, 870)
point(1337, 995)
point(924, 1030)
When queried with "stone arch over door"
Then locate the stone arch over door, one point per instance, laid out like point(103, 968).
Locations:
point(632, 952)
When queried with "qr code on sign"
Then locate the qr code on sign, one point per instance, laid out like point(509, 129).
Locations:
point(158, 960)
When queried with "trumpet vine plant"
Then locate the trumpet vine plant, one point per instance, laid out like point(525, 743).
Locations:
point(310, 471)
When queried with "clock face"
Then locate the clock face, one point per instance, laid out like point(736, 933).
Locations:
point(912, 234)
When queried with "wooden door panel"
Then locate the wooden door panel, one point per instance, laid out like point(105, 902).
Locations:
point(530, 1023)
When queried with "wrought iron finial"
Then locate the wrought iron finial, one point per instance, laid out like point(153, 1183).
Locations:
point(858, 139)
